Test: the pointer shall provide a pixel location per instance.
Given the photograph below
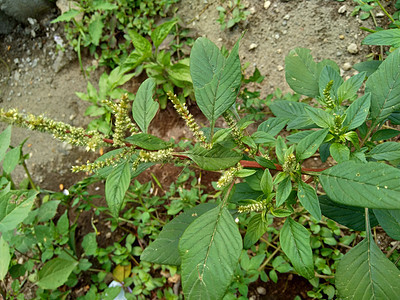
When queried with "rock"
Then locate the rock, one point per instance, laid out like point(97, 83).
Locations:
point(286, 17)
point(253, 46)
point(7, 23)
point(267, 4)
point(352, 48)
point(342, 9)
point(252, 10)
point(379, 14)
point(339, 54)
point(280, 68)
point(341, 37)
point(21, 10)
point(261, 290)
point(347, 66)
point(66, 5)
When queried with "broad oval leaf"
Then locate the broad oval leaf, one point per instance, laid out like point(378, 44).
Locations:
point(11, 159)
point(310, 144)
point(144, 108)
point(5, 257)
point(14, 208)
point(320, 117)
point(372, 184)
point(339, 152)
point(348, 90)
point(217, 158)
point(390, 221)
point(357, 112)
point(256, 228)
point(216, 80)
point(386, 151)
point(389, 37)
point(5, 140)
point(273, 126)
point(55, 273)
point(283, 191)
point(349, 216)
point(161, 32)
point(117, 184)
point(327, 74)
point(301, 72)
point(309, 199)
point(365, 273)
point(295, 242)
point(384, 85)
point(164, 250)
point(148, 141)
point(210, 248)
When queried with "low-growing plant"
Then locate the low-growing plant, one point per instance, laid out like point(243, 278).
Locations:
point(351, 130)
point(103, 25)
point(234, 13)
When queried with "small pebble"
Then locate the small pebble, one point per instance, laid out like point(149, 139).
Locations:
point(342, 9)
point(352, 48)
point(379, 14)
point(280, 68)
point(347, 66)
point(261, 290)
point(267, 4)
point(339, 53)
point(253, 46)
point(341, 37)
point(286, 17)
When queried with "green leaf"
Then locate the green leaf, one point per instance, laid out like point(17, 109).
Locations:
point(256, 228)
point(266, 163)
point(367, 66)
point(209, 248)
point(295, 242)
point(309, 145)
point(63, 224)
point(89, 243)
point(389, 37)
point(390, 221)
point(141, 44)
point(161, 32)
point(148, 141)
point(102, 5)
point(327, 74)
point(48, 210)
point(266, 182)
point(11, 159)
point(260, 137)
point(386, 151)
point(243, 191)
point(283, 191)
point(144, 108)
point(339, 152)
point(349, 216)
point(280, 149)
point(285, 109)
point(357, 112)
point(5, 140)
point(273, 126)
point(384, 85)
point(180, 71)
point(348, 90)
point(14, 208)
point(96, 29)
point(298, 136)
point(384, 134)
point(216, 80)
point(117, 184)
point(301, 72)
point(5, 258)
point(365, 273)
point(308, 198)
point(164, 250)
point(217, 158)
point(372, 184)
point(55, 273)
point(320, 117)
point(67, 16)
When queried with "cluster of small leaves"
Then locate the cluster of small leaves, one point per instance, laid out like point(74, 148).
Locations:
point(351, 131)
point(103, 25)
point(234, 13)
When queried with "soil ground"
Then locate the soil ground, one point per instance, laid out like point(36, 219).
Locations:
point(35, 78)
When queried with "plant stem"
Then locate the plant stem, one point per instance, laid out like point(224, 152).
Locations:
point(393, 249)
point(96, 270)
point(385, 11)
point(29, 176)
point(70, 255)
point(269, 258)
